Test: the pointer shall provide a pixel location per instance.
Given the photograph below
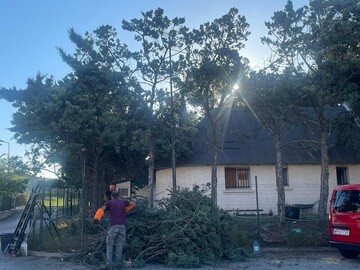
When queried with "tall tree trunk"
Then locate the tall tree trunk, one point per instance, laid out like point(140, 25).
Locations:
point(324, 178)
point(151, 179)
point(279, 180)
point(173, 152)
point(91, 190)
point(92, 195)
point(214, 179)
point(94, 183)
point(214, 148)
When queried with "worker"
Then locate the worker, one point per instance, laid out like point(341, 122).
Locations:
point(116, 233)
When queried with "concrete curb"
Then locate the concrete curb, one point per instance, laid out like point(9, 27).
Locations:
point(48, 254)
point(298, 249)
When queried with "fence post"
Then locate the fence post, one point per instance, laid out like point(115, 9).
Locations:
point(257, 209)
point(41, 215)
point(64, 203)
point(50, 204)
point(57, 203)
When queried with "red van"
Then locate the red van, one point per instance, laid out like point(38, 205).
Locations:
point(344, 220)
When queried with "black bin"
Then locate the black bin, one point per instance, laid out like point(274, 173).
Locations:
point(292, 212)
point(5, 240)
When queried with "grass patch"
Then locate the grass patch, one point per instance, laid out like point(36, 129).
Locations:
point(60, 202)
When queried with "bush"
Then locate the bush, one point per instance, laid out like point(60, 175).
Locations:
point(186, 230)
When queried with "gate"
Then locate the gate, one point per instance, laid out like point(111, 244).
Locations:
point(61, 202)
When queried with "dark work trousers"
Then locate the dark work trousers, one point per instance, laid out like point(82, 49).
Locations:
point(116, 236)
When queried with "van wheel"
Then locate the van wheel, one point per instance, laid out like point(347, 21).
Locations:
point(349, 254)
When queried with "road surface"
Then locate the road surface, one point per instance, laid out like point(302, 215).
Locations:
point(8, 224)
point(326, 260)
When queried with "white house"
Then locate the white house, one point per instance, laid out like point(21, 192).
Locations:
point(248, 153)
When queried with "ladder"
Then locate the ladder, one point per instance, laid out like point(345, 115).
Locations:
point(18, 237)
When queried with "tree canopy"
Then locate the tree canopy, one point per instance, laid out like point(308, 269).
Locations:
point(320, 41)
point(119, 111)
point(94, 117)
point(274, 99)
point(215, 66)
point(13, 176)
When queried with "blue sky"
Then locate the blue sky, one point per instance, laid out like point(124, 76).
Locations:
point(32, 30)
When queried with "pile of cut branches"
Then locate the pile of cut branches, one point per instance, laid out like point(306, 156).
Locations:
point(185, 230)
point(94, 253)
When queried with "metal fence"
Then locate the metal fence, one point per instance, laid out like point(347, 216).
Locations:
point(6, 203)
point(53, 204)
point(61, 202)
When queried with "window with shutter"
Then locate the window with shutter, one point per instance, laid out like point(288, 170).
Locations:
point(237, 178)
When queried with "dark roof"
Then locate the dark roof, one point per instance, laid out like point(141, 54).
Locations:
point(246, 142)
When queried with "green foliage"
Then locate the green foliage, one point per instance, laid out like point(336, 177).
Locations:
point(93, 117)
point(321, 41)
point(160, 59)
point(215, 65)
point(99, 115)
point(13, 176)
point(183, 259)
point(185, 231)
point(274, 100)
point(347, 133)
point(213, 68)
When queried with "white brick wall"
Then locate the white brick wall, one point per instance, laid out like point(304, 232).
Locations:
point(185, 177)
point(246, 198)
point(304, 184)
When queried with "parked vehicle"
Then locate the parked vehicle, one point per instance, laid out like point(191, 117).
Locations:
point(344, 220)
